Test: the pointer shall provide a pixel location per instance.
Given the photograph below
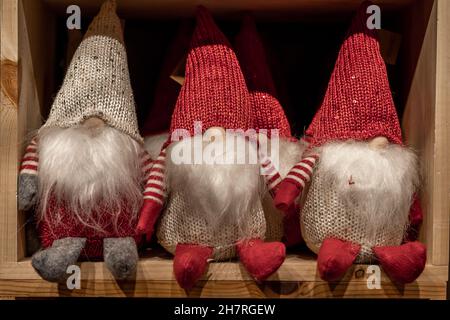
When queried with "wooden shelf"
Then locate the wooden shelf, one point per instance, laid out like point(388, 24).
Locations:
point(297, 278)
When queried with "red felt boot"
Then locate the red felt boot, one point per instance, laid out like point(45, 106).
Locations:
point(403, 264)
point(260, 258)
point(189, 263)
point(335, 257)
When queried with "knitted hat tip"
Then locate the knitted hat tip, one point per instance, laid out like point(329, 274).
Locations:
point(106, 22)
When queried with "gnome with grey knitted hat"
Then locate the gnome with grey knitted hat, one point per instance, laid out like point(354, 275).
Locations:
point(85, 169)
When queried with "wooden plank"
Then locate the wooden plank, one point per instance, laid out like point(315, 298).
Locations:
point(296, 278)
point(418, 123)
point(441, 197)
point(277, 9)
point(8, 132)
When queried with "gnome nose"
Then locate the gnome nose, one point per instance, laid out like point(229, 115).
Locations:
point(379, 142)
point(93, 124)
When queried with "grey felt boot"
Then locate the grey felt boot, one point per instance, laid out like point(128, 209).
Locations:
point(27, 191)
point(52, 263)
point(121, 257)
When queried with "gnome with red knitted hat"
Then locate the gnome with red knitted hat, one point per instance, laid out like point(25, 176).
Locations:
point(268, 115)
point(213, 200)
point(85, 169)
point(363, 178)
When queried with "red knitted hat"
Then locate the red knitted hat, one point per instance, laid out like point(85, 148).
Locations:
point(214, 91)
point(166, 92)
point(266, 109)
point(358, 103)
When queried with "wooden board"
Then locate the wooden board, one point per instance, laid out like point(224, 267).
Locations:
point(426, 126)
point(274, 9)
point(297, 278)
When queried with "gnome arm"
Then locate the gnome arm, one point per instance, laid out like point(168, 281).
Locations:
point(271, 175)
point(154, 196)
point(294, 182)
point(415, 220)
point(28, 177)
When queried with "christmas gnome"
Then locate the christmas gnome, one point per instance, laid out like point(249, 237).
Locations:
point(213, 206)
point(363, 178)
point(85, 169)
point(268, 114)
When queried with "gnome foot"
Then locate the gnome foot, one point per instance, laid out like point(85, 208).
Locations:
point(52, 263)
point(121, 257)
point(189, 263)
point(260, 258)
point(403, 264)
point(335, 258)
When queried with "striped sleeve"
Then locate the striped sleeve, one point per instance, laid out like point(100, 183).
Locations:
point(271, 175)
point(30, 160)
point(146, 164)
point(301, 173)
point(155, 188)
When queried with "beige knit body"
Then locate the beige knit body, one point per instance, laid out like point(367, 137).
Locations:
point(180, 224)
point(325, 215)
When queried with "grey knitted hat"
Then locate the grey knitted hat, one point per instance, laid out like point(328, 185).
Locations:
point(97, 82)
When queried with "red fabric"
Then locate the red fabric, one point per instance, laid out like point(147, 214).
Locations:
point(358, 103)
point(335, 258)
point(415, 220)
point(286, 194)
point(261, 259)
point(214, 90)
point(292, 231)
point(167, 89)
point(190, 263)
point(403, 264)
point(51, 229)
point(267, 110)
point(148, 216)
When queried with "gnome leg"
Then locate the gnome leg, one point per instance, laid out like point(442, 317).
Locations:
point(189, 263)
point(404, 263)
point(52, 263)
point(260, 258)
point(335, 258)
point(291, 224)
point(121, 257)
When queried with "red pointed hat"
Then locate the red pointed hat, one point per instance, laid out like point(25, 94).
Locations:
point(358, 103)
point(166, 92)
point(266, 109)
point(214, 91)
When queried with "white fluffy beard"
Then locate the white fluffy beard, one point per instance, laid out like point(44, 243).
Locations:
point(87, 171)
point(290, 153)
point(219, 193)
point(378, 184)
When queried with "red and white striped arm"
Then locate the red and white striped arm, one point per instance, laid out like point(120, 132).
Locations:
point(30, 160)
point(146, 164)
point(154, 197)
point(271, 175)
point(293, 184)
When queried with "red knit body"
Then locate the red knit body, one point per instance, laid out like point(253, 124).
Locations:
point(50, 229)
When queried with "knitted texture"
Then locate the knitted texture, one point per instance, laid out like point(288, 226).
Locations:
point(51, 229)
point(97, 82)
point(325, 215)
point(214, 91)
point(106, 23)
point(181, 224)
point(266, 109)
point(358, 103)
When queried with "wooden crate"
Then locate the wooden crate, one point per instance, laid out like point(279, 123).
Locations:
point(27, 53)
